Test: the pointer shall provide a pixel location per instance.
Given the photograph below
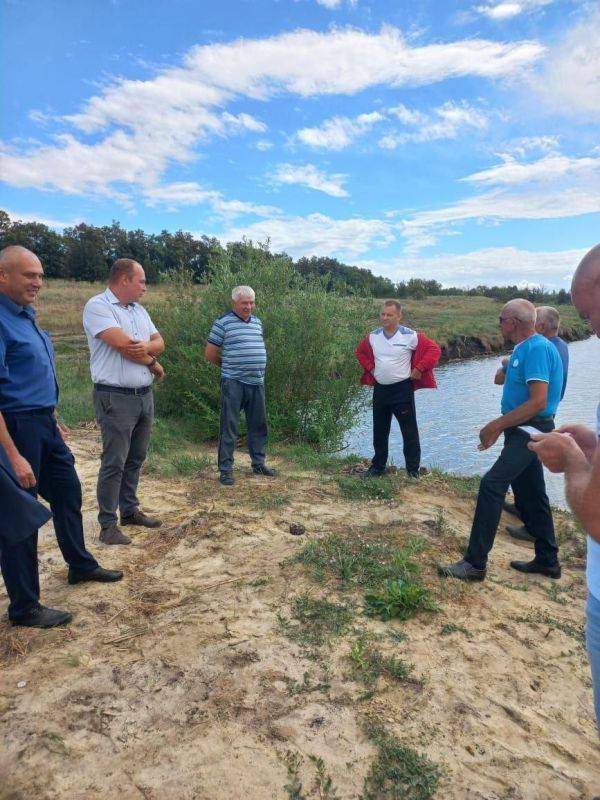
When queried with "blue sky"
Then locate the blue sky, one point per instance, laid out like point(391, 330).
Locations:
point(449, 140)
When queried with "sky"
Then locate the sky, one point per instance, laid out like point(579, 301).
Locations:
point(458, 141)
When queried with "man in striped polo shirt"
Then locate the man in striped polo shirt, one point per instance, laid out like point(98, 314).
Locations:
point(236, 344)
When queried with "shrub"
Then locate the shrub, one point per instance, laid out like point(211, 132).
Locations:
point(312, 386)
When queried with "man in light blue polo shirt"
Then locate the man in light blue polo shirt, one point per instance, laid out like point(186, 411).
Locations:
point(236, 344)
point(574, 450)
point(124, 344)
point(531, 394)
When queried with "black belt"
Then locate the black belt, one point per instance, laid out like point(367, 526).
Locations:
point(104, 387)
point(38, 412)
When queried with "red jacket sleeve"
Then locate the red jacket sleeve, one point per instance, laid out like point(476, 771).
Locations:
point(364, 354)
point(429, 354)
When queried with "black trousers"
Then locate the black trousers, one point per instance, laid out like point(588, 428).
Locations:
point(519, 466)
point(38, 440)
point(395, 400)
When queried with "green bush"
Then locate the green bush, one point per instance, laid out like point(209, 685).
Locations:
point(312, 386)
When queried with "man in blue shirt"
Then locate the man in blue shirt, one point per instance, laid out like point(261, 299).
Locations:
point(532, 388)
point(236, 344)
point(575, 450)
point(34, 443)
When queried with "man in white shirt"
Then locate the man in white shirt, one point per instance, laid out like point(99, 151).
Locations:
point(575, 450)
point(124, 344)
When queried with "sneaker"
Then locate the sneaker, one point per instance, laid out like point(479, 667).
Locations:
point(534, 568)
point(262, 469)
point(520, 532)
point(98, 574)
point(461, 569)
point(139, 518)
point(372, 472)
point(42, 617)
point(511, 508)
point(226, 478)
point(113, 535)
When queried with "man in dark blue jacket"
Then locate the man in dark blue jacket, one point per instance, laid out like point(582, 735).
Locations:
point(33, 441)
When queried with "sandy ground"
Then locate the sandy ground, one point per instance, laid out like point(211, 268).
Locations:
point(179, 683)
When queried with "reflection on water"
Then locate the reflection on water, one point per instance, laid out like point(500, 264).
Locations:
point(466, 399)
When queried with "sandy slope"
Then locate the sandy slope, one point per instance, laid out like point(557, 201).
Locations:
point(178, 682)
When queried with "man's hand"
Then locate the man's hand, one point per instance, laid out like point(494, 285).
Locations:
point(64, 432)
point(489, 434)
point(136, 349)
point(557, 451)
point(416, 374)
point(586, 438)
point(504, 361)
point(158, 371)
point(23, 471)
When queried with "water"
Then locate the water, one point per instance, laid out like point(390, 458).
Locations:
point(451, 417)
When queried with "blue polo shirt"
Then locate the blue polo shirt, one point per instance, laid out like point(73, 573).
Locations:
point(243, 353)
point(27, 373)
point(534, 359)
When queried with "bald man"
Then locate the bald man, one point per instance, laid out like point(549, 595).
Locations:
point(33, 441)
point(574, 450)
point(530, 397)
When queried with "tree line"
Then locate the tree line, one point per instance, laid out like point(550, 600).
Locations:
point(85, 252)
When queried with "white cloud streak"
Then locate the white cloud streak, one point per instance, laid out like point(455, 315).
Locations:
point(509, 8)
point(445, 122)
point(338, 132)
point(308, 175)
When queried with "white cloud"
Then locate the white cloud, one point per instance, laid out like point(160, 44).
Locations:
point(546, 169)
point(509, 9)
point(56, 224)
point(338, 132)
point(263, 145)
point(569, 80)
point(334, 4)
point(308, 175)
point(146, 126)
point(444, 122)
point(175, 195)
point(316, 234)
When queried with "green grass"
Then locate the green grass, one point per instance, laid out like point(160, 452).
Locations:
point(462, 485)
point(315, 621)
point(449, 628)
point(383, 488)
point(400, 598)
point(322, 787)
point(398, 771)
point(268, 501)
point(543, 617)
point(369, 664)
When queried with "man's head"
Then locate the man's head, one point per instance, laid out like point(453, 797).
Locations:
point(585, 288)
point(127, 280)
point(242, 300)
point(517, 320)
point(21, 274)
point(390, 314)
point(547, 321)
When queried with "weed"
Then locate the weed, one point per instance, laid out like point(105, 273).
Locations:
point(463, 485)
point(450, 628)
point(398, 772)
point(306, 687)
point(185, 464)
point(368, 664)
point(71, 660)
point(317, 620)
point(262, 580)
point(359, 560)
point(293, 788)
point(542, 617)
point(274, 500)
point(396, 636)
point(401, 598)
point(367, 489)
point(322, 788)
point(556, 592)
point(516, 587)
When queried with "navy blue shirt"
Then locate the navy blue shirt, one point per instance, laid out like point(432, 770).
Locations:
point(27, 373)
point(563, 352)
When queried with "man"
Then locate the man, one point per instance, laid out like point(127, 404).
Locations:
point(124, 344)
point(547, 324)
point(396, 360)
point(531, 393)
point(574, 450)
point(32, 439)
point(236, 344)
point(22, 515)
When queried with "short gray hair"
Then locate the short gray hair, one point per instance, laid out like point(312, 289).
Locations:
point(550, 316)
point(242, 291)
point(521, 309)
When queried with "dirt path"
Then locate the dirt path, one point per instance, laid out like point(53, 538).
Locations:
point(178, 682)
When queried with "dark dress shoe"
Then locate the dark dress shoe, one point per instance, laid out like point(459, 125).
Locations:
point(42, 617)
point(533, 568)
point(461, 569)
point(262, 469)
point(139, 518)
point(372, 473)
point(226, 478)
point(99, 574)
point(520, 532)
point(511, 508)
point(113, 535)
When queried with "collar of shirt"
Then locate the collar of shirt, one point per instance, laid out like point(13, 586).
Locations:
point(112, 298)
point(15, 308)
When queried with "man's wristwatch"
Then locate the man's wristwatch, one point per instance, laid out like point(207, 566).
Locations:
point(152, 363)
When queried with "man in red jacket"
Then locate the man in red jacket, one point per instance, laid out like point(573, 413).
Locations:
point(396, 360)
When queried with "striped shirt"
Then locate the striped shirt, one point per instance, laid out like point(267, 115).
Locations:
point(243, 353)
